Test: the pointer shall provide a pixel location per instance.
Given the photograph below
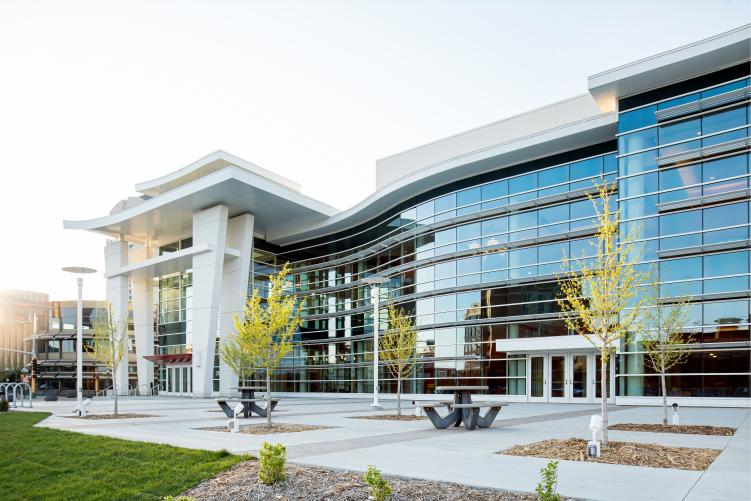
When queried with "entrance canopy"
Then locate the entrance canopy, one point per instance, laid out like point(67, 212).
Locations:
point(179, 358)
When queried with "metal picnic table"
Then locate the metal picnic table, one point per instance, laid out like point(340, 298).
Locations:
point(461, 408)
point(248, 399)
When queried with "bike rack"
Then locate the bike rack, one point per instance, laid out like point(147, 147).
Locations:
point(24, 388)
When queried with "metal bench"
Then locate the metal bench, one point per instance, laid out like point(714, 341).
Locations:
point(471, 413)
point(249, 406)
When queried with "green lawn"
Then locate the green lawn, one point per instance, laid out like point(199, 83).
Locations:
point(40, 463)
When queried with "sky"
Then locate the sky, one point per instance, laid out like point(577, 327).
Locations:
point(98, 96)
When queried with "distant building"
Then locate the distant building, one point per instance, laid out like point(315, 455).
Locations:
point(17, 310)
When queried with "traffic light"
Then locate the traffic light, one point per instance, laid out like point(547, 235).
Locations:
point(34, 368)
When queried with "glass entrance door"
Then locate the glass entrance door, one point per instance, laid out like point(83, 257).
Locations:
point(537, 378)
point(579, 381)
point(559, 387)
point(178, 380)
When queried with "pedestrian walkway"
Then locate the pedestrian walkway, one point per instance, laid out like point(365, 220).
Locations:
point(416, 449)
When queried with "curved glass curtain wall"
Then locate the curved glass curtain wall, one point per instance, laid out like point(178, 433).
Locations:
point(694, 216)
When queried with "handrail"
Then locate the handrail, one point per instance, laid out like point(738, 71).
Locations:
point(103, 392)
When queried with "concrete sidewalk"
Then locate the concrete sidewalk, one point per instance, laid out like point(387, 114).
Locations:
point(416, 449)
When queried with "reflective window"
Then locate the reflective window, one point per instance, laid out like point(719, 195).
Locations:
point(468, 197)
point(550, 215)
point(682, 176)
point(586, 168)
point(679, 131)
point(494, 261)
point(425, 211)
point(636, 119)
point(638, 185)
point(636, 141)
point(522, 183)
point(523, 257)
point(725, 312)
point(444, 205)
point(726, 215)
point(731, 263)
point(552, 176)
point(724, 167)
point(640, 162)
point(680, 269)
point(678, 100)
point(522, 220)
point(680, 222)
point(494, 190)
point(723, 120)
point(638, 207)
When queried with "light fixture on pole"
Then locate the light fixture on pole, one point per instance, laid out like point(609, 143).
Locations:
point(375, 281)
point(80, 271)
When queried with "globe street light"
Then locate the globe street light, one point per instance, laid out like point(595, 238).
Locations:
point(80, 271)
point(375, 281)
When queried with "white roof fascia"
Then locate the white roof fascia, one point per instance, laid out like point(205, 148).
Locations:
point(682, 63)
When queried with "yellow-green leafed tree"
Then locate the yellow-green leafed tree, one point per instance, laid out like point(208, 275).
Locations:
point(398, 349)
point(110, 345)
point(598, 296)
point(266, 328)
point(236, 354)
point(667, 343)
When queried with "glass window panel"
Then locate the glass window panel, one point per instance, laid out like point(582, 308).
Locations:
point(583, 247)
point(522, 183)
point(494, 226)
point(552, 176)
point(721, 89)
point(724, 167)
point(424, 211)
point(586, 168)
point(523, 257)
point(680, 269)
point(636, 119)
point(553, 252)
point(468, 305)
point(444, 237)
point(639, 207)
point(527, 271)
point(723, 120)
point(468, 197)
point(678, 100)
point(469, 235)
point(494, 190)
point(444, 206)
point(522, 220)
point(445, 270)
point(546, 192)
point(680, 222)
point(582, 209)
point(725, 285)
point(640, 162)
point(731, 263)
point(636, 141)
point(680, 177)
point(726, 215)
point(494, 261)
point(638, 185)
point(468, 265)
point(445, 303)
point(555, 214)
point(725, 312)
point(678, 131)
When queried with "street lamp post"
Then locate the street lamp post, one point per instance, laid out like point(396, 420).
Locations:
point(375, 282)
point(80, 271)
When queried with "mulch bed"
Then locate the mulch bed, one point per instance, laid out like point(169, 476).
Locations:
point(306, 483)
point(112, 416)
point(690, 429)
point(392, 417)
point(629, 453)
point(263, 429)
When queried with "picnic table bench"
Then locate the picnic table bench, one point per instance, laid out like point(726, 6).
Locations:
point(461, 409)
point(249, 406)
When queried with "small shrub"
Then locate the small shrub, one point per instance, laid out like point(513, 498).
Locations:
point(3, 405)
point(223, 453)
point(546, 488)
point(272, 460)
point(379, 487)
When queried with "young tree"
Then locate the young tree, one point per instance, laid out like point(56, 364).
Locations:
point(598, 295)
point(398, 349)
point(666, 344)
point(235, 352)
point(110, 345)
point(266, 328)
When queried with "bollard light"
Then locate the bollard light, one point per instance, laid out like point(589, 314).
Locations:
point(595, 426)
point(676, 420)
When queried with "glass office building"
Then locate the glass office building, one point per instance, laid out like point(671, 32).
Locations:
point(469, 235)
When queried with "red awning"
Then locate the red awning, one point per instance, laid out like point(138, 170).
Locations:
point(179, 358)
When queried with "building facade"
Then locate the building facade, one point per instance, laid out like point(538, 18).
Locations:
point(20, 313)
point(470, 233)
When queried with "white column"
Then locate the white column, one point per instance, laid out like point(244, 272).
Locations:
point(234, 290)
point(115, 257)
point(209, 226)
point(143, 329)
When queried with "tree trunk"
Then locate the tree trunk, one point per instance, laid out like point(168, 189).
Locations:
point(114, 390)
point(604, 394)
point(664, 395)
point(268, 398)
point(399, 396)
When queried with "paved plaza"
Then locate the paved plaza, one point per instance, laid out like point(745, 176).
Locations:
point(416, 449)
